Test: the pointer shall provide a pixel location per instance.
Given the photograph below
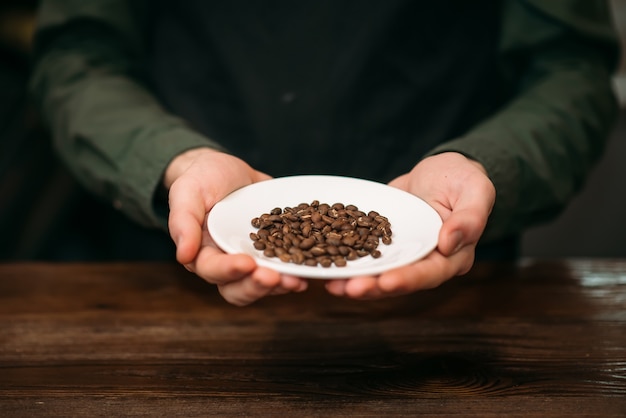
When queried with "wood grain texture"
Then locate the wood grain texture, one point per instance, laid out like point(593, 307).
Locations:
point(541, 338)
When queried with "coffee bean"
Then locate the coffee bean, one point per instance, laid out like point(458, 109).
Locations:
point(307, 243)
point(318, 250)
point(285, 257)
point(319, 234)
point(340, 261)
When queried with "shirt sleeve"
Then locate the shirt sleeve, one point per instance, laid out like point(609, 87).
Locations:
point(539, 148)
point(106, 125)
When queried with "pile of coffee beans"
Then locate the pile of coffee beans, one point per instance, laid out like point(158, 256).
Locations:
point(320, 234)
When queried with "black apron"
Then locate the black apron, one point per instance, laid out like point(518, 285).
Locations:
point(346, 87)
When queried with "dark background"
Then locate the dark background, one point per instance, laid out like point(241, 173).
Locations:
point(39, 199)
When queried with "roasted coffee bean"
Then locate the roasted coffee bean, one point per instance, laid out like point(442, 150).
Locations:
point(332, 250)
point(344, 250)
point(352, 255)
point(297, 258)
point(362, 253)
point(340, 261)
point(319, 225)
point(370, 246)
point(319, 234)
point(348, 226)
point(285, 257)
point(349, 241)
point(307, 243)
point(325, 261)
point(318, 250)
point(336, 225)
point(364, 221)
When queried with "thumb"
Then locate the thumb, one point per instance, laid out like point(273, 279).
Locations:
point(450, 242)
point(460, 229)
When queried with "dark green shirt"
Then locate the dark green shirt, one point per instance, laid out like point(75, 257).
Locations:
point(117, 131)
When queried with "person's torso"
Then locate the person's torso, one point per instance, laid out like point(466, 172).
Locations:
point(348, 87)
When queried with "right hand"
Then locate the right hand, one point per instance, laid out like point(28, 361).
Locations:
point(197, 179)
point(460, 190)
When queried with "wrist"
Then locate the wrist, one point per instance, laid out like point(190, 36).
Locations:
point(478, 165)
point(181, 163)
point(469, 159)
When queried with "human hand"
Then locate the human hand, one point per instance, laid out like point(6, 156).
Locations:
point(460, 191)
point(196, 180)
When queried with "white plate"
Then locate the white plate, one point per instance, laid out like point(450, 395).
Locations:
point(415, 224)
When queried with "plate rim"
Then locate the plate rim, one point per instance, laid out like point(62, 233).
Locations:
point(319, 272)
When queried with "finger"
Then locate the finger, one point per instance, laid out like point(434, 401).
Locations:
point(400, 182)
point(466, 222)
point(293, 283)
point(250, 288)
point(336, 287)
point(289, 284)
point(244, 292)
point(260, 176)
point(215, 267)
point(424, 274)
point(427, 273)
point(463, 227)
point(360, 287)
point(187, 212)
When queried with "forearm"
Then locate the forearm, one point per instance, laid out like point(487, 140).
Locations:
point(541, 146)
point(539, 150)
point(110, 130)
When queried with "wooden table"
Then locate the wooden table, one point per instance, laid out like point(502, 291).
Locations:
point(542, 338)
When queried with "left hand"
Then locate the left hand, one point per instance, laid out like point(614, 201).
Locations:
point(197, 179)
point(460, 191)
